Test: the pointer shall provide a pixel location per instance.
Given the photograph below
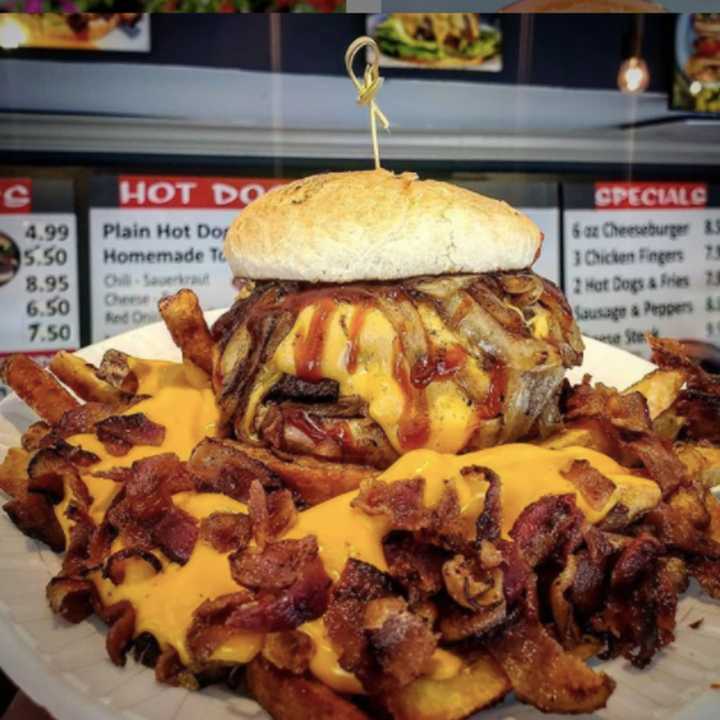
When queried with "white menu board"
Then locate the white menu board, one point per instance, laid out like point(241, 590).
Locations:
point(151, 236)
point(539, 201)
point(38, 268)
point(643, 257)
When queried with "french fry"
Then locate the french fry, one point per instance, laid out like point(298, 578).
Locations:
point(37, 388)
point(13, 473)
point(660, 388)
point(478, 685)
point(81, 377)
point(184, 319)
point(701, 461)
point(295, 697)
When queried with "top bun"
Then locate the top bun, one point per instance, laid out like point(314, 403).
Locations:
point(374, 225)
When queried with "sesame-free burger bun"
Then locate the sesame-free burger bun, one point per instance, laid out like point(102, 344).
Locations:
point(375, 225)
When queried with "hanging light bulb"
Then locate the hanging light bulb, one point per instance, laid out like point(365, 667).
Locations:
point(633, 76)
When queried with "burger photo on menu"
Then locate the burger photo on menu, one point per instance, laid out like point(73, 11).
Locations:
point(459, 41)
point(697, 62)
point(383, 483)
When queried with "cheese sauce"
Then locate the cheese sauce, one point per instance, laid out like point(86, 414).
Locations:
point(183, 402)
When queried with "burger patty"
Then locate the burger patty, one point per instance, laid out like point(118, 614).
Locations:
point(364, 372)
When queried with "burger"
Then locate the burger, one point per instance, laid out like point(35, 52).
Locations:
point(584, 6)
point(707, 24)
point(86, 27)
point(381, 313)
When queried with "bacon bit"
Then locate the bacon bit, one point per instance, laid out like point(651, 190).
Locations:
point(640, 621)
point(545, 676)
point(277, 566)
point(71, 598)
point(696, 625)
point(457, 623)
point(291, 650)
point(209, 628)
point(226, 531)
point(401, 501)
point(275, 611)
point(661, 463)
point(50, 474)
point(176, 534)
point(636, 559)
point(77, 556)
point(34, 516)
point(359, 583)
point(448, 527)
point(595, 488)
point(674, 527)
point(72, 453)
point(116, 565)
point(707, 573)
point(116, 474)
point(222, 466)
point(115, 370)
point(119, 433)
point(308, 349)
point(282, 512)
point(470, 586)
point(545, 526)
point(32, 438)
point(488, 522)
point(417, 566)
point(259, 515)
point(82, 419)
point(146, 649)
point(270, 515)
point(121, 619)
point(402, 647)
point(170, 670)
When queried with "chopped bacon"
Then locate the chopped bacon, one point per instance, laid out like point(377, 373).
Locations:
point(121, 619)
point(116, 474)
point(82, 419)
point(595, 488)
point(470, 585)
point(359, 583)
point(34, 516)
point(115, 370)
point(673, 526)
point(50, 474)
point(636, 559)
point(259, 514)
point(640, 621)
point(118, 433)
point(209, 628)
point(146, 649)
point(707, 573)
point(661, 463)
point(545, 526)
point(700, 411)
point(270, 515)
point(34, 435)
point(544, 675)
point(72, 453)
point(457, 623)
point(402, 647)
point(279, 565)
point(622, 412)
point(291, 650)
point(226, 531)
point(448, 527)
point(416, 565)
point(116, 565)
point(71, 598)
point(176, 534)
point(82, 531)
point(275, 611)
point(401, 501)
point(567, 630)
point(488, 522)
point(170, 670)
point(221, 466)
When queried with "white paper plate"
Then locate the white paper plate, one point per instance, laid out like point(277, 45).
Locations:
point(65, 667)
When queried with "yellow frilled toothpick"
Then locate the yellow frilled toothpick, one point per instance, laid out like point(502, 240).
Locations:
point(369, 86)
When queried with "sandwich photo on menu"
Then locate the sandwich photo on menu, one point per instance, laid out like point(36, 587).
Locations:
point(368, 489)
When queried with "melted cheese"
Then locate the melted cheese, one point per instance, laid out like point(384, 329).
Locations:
point(452, 417)
point(182, 401)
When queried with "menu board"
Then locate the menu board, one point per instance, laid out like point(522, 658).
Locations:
point(643, 257)
point(151, 236)
point(38, 268)
point(539, 201)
